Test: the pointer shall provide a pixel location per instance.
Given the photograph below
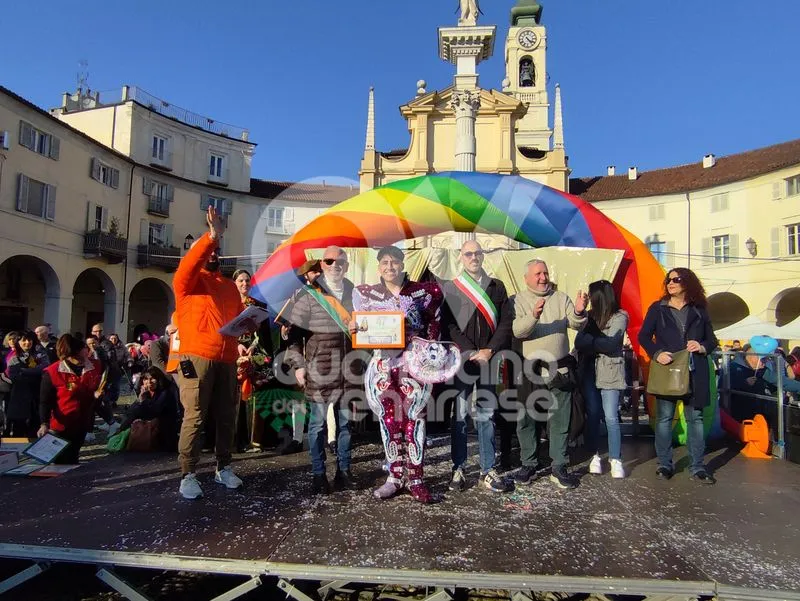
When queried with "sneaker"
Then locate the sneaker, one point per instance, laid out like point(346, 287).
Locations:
point(190, 487)
point(113, 428)
point(617, 470)
point(664, 473)
point(321, 485)
point(227, 477)
point(596, 465)
point(458, 482)
point(562, 478)
point(495, 482)
point(526, 474)
point(343, 480)
point(703, 477)
point(90, 438)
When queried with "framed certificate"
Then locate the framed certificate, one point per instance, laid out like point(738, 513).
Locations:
point(380, 329)
point(47, 448)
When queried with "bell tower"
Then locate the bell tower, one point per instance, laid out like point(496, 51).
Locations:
point(526, 73)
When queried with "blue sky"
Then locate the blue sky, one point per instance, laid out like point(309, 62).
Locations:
point(646, 83)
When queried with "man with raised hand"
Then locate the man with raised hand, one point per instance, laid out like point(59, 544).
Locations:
point(324, 367)
point(541, 318)
point(477, 317)
point(205, 300)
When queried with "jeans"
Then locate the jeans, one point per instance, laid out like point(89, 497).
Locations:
point(484, 424)
point(559, 411)
point(601, 404)
point(695, 437)
point(316, 438)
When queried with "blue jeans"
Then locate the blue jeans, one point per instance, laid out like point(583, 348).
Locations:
point(484, 424)
point(317, 438)
point(601, 404)
point(695, 437)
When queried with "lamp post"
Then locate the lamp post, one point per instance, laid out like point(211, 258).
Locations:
point(751, 247)
point(187, 242)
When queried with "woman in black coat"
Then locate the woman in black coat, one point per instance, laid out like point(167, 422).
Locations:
point(24, 366)
point(679, 321)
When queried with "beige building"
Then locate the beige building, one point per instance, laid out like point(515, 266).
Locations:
point(734, 220)
point(100, 201)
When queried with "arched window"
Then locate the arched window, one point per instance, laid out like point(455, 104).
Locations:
point(527, 73)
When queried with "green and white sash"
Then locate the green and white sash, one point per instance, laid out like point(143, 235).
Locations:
point(477, 295)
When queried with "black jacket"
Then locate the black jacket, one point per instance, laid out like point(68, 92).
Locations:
point(468, 328)
point(661, 333)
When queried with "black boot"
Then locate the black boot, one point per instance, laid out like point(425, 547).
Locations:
point(344, 480)
point(321, 485)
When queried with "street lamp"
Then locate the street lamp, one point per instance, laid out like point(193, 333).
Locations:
point(751, 247)
point(187, 242)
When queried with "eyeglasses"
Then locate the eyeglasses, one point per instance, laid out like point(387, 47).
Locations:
point(477, 254)
point(676, 280)
point(332, 261)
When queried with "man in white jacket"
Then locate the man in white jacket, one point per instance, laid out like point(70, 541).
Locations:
point(541, 318)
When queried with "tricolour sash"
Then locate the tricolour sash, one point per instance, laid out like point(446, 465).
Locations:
point(332, 307)
point(477, 295)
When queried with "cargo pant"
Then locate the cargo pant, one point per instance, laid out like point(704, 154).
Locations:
point(215, 385)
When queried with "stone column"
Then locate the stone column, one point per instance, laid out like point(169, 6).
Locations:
point(465, 105)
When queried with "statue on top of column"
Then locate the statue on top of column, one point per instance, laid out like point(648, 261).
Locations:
point(469, 13)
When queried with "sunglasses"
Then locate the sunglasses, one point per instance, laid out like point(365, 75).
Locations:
point(332, 261)
point(470, 254)
point(676, 280)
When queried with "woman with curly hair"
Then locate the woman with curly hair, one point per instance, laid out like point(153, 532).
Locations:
point(680, 321)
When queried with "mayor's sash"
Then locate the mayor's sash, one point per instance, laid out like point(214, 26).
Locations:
point(332, 307)
point(477, 295)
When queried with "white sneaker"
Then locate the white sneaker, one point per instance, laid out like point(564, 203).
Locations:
point(190, 487)
point(596, 465)
point(113, 428)
point(90, 438)
point(227, 477)
point(617, 471)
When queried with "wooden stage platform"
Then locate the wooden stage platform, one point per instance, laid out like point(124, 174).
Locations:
point(739, 539)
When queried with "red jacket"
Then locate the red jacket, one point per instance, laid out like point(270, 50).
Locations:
point(204, 302)
point(74, 409)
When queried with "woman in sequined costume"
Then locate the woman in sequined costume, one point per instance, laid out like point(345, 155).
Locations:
point(394, 396)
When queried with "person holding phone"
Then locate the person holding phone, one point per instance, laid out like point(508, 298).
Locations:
point(205, 300)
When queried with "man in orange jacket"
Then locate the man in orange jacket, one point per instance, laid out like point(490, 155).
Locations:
point(206, 374)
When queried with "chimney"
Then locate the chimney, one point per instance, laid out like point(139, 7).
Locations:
point(612, 170)
point(709, 161)
point(633, 173)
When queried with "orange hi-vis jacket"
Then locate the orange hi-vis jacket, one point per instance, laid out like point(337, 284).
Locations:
point(204, 302)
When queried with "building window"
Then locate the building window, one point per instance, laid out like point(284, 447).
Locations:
point(275, 219)
point(105, 174)
point(719, 202)
point(98, 218)
point(793, 239)
point(656, 212)
point(159, 148)
point(215, 167)
point(659, 251)
point(793, 185)
point(39, 141)
point(721, 246)
point(36, 198)
point(158, 235)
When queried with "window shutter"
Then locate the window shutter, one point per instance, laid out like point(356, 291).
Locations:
point(147, 186)
point(22, 193)
point(50, 203)
point(204, 202)
point(26, 134)
point(168, 234)
point(669, 260)
point(55, 148)
point(144, 232)
point(723, 205)
point(707, 250)
point(95, 169)
point(90, 216)
point(170, 193)
point(777, 188)
point(104, 220)
point(733, 245)
point(714, 203)
point(775, 241)
point(115, 178)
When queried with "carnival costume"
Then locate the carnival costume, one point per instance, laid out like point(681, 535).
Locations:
point(391, 388)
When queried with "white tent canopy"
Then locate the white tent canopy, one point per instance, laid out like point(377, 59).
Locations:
point(755, 326)
point(791, 330)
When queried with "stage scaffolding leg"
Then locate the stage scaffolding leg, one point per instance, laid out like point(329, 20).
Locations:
point(119, 585)
point(23, 576)
point(240, 590)
point(333, 585)
point(292, 591)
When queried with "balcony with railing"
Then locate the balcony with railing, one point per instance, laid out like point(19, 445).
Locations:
point(155, 255)
point(158, 206)
point(97, 244)
point(162, 107)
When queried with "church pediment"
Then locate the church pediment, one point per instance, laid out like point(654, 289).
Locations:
point(492, 101)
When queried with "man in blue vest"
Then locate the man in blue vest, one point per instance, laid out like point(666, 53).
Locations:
point(477, 317)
